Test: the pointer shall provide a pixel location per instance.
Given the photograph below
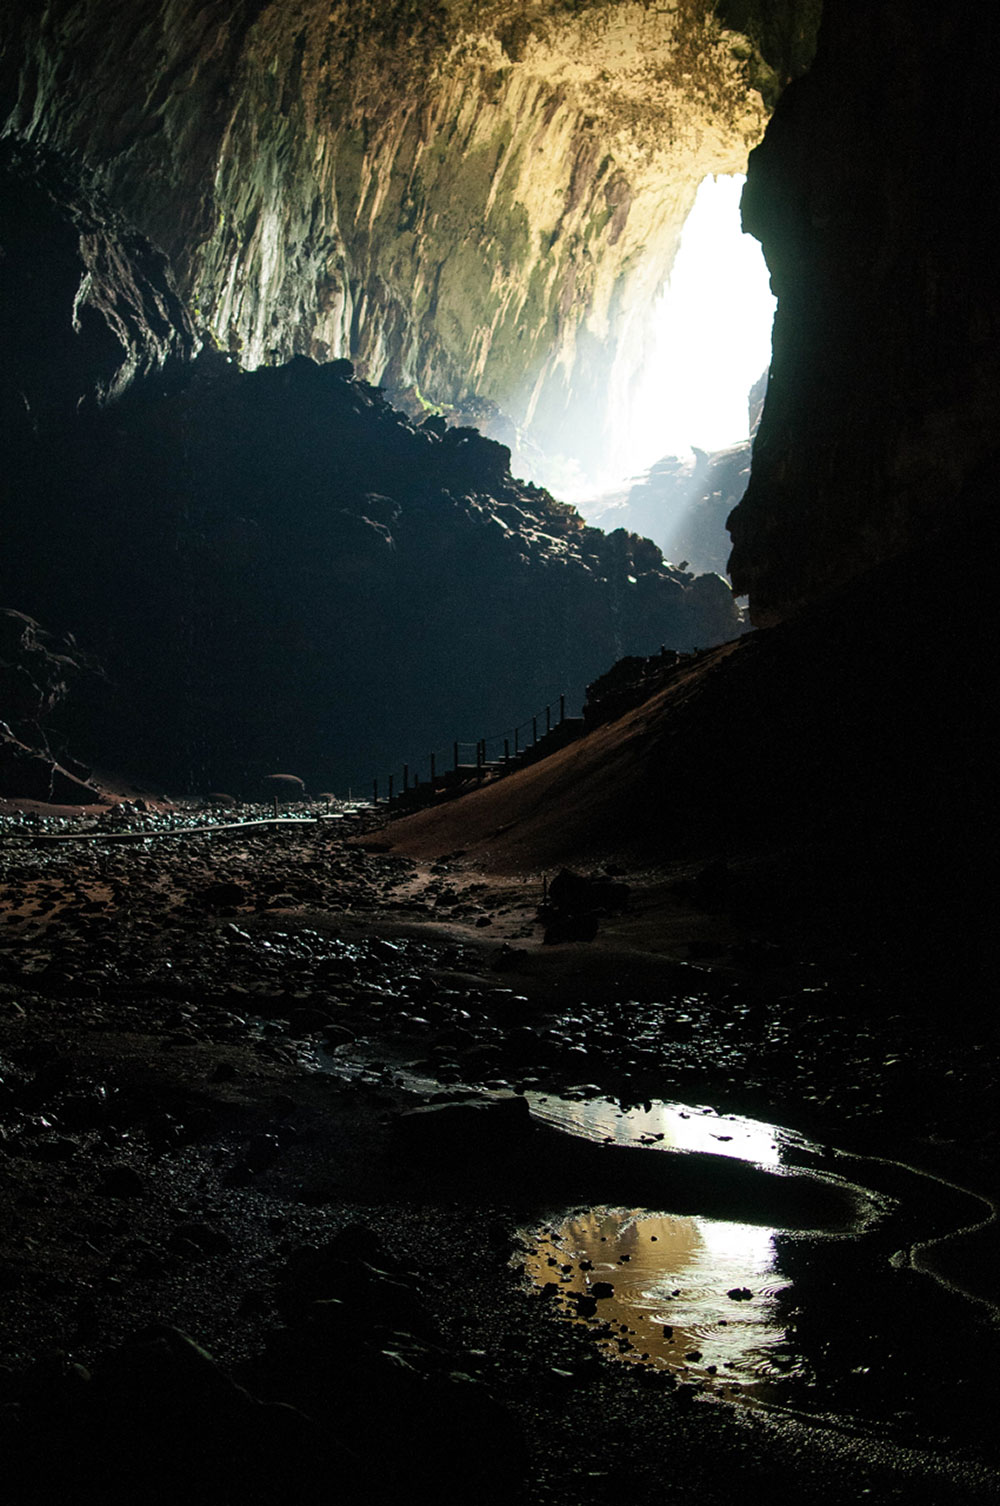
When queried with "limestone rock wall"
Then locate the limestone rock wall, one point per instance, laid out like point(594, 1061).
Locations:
point(466, 198)
point(873, 197)
point(272, 568)
point(87, 304)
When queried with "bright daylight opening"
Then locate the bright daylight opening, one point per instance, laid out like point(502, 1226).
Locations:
point(711, 340)
point(712, 335)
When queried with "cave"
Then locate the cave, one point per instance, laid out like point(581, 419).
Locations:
point(493, 996)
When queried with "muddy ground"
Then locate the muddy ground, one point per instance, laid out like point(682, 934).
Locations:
point(233, 1268)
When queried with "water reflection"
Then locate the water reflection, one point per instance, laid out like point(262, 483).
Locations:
point(671, 1126)
point(696, 1296)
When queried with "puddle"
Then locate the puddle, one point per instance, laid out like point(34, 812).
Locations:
point(734, 1255)
point(700, 1296)
point(674, 1127)
point(669, 1304)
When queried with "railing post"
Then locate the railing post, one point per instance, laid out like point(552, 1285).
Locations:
point(516, 739)
point(506, 750)
point(534, 729)
point(548, 720)
point(390, 789)
point(456, 757)
point(562, 708)
point(406, 777)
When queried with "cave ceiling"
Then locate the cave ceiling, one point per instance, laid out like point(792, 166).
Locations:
point(469, 200)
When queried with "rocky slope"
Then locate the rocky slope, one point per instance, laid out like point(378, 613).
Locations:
point(275, 569)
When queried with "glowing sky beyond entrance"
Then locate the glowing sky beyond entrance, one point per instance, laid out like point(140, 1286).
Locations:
point(705, 342)
point(712, 335)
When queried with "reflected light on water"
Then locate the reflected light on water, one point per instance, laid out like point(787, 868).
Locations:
point(670, 1304)
point(669, 1126)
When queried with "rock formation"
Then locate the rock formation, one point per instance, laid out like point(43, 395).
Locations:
point(468, 200)
point(360, 183)
point(870, 195)
point(851, 734)
point(275, 568)
point(35, 670)
point(89, 304)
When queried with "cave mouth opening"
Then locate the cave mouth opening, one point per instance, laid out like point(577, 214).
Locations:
point(684, 376)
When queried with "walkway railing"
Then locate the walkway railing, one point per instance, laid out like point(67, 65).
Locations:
point(470, 762)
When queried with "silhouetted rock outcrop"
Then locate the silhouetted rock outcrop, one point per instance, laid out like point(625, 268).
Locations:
point(880, 236)
point(35, 671)
point(276, 568)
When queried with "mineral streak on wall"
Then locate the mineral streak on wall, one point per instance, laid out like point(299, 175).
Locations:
point(465, 198)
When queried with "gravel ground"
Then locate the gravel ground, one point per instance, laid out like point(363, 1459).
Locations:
point(209, 1044)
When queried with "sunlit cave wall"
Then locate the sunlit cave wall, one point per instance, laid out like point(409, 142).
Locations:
point(873, 195)
point(267, 569)
point(472, 200)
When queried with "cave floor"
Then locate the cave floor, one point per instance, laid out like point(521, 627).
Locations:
point(208, 1050)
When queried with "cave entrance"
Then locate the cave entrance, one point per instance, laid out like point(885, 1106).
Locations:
point(711, 338)
point(696, 355)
